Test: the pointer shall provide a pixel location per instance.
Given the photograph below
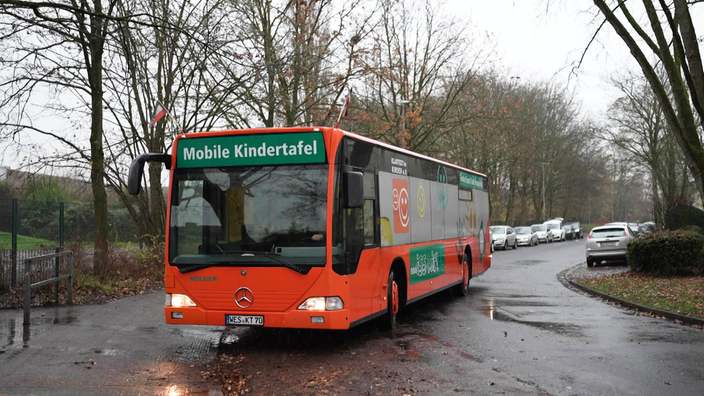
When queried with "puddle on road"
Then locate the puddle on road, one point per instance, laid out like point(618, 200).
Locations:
point(405, 348)
point(13, 333)
point(494, 312)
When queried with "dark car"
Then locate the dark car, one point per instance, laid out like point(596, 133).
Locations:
point(577, 229)
point(647, 228)
point(569, 232)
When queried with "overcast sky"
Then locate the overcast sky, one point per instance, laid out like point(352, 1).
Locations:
point(543, 40)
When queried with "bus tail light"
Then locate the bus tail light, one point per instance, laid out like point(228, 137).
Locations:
point(179, 300)
point(322, 304)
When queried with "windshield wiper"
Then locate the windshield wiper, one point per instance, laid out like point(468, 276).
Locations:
point(245, 253)
point(196, 267)
point(300, 270)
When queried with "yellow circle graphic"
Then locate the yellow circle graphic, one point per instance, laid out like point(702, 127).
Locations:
point(420, 197)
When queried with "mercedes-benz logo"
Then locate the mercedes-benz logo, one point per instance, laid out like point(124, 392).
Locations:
point(244, 297)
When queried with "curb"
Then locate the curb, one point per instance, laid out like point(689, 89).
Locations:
point(566, 279)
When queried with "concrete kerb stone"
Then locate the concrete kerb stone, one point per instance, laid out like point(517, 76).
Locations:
point(566, 277)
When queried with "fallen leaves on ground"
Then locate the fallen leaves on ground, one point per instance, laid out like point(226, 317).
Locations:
point(683, 295)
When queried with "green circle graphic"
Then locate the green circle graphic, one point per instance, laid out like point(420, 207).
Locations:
point(443, 188)
point(482, 242)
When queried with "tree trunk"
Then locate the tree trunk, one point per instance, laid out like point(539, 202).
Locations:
point(95, 43)
point(656, 199)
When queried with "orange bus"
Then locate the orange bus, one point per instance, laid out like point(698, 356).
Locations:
point(313, 227)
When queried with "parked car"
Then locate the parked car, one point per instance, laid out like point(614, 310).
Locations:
point(544, 233)
point(503, 237)
point(577, 228)
point(608, 242)
point(558, 233)
point(633, 227)
point(569, 232)
point(526, 236)
point(647, 228)
point(651, 226)
point(491, 238)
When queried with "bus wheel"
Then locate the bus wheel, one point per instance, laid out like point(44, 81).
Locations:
point(462, 289)
point(388, 321)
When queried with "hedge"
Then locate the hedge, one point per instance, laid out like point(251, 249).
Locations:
point(667, 253)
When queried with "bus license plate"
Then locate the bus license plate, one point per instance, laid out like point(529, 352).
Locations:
point(245, 320)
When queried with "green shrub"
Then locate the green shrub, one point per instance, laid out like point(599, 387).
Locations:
point(694, 228)
point(667, 253)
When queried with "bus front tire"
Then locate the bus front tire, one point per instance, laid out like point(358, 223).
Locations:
point(388, 320)
point(462, 289)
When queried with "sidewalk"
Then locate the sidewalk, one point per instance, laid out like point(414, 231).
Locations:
point(119, 348)
point(569, 275)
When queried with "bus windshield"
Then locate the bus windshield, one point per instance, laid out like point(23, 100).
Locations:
point(249, 216)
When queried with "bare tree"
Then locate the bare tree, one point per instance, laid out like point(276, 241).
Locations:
point(171, 56)
point(640, 130)
point(669, 36)
point(292, 60)
point(530, 142)
point(156, 50)
point(418, 66)
point(58, 48)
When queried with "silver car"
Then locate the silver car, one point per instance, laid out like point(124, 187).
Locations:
point(526, 236)
point(503, 237)
point(544, 233)
point(607, 242)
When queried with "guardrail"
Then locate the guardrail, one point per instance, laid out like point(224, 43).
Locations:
point(28, 286)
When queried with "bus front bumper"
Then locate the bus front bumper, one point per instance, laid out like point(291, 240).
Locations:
point(298, 319)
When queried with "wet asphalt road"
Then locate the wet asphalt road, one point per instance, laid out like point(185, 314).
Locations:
point(119, 348)
point(527, 325)
point(519, 332)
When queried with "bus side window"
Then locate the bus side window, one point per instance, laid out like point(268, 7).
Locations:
point(361, 224)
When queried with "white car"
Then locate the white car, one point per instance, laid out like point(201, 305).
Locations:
point(543, 232)
point(503, 237)
point(558, 232)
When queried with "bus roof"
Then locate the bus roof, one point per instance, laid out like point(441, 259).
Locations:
point(329, 130)
point(409, 152)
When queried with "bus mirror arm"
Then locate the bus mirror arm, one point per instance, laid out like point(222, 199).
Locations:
point(134, 179)
point(354, 189)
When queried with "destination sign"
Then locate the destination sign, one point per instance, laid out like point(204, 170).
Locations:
point(244, 150)
point(471, 181)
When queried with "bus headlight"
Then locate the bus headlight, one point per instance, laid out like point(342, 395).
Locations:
point(322, 304)
point(179, 300)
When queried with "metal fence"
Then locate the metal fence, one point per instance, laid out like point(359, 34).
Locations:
point(34, 228)
point(30, 284)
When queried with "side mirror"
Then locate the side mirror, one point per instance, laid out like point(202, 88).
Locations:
point(353, 183)
point(134, 179)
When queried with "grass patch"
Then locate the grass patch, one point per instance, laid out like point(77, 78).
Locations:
point(25, 242)
point(683, 295)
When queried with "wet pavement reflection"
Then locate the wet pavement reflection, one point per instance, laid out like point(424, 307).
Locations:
point(123, 347)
